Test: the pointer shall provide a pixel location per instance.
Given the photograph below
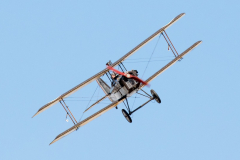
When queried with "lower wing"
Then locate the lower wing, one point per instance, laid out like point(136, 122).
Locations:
point(87, 120)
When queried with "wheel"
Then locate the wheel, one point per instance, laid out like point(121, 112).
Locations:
point(155, 96)
point(126, 115)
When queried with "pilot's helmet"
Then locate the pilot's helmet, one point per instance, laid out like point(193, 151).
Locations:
point(113, 75)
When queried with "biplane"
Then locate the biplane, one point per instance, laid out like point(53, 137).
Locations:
point(124, 84)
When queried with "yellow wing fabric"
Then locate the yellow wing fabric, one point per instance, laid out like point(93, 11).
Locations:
point(172, 62)
point(98, 75)
point(85, 121)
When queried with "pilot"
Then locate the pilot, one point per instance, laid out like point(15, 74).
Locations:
point(115, 80)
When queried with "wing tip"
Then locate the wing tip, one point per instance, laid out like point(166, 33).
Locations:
point(52, 142)
point(183, 14)
point(174, 20)
point(198, 42)
point(55, 140)
point(193, 46)
point(35, 114)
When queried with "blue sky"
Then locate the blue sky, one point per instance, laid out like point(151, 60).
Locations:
point(49, 47)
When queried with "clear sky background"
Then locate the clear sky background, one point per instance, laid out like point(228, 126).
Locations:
point(48, 47)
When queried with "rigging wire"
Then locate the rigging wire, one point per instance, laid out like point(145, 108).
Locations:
point(147, 63)
point(151, 55)
point(88, 103)
point(130, 59)
point(84, 100)
point(79, 98)
point(98, 92)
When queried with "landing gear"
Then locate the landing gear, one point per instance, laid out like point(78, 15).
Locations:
point(129, 113)
point(155, 96)
point(126, 115)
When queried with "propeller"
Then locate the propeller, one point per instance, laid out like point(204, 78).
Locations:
point(128, 75)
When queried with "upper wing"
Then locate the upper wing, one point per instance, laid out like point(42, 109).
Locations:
point(48, 105)
point(148, 39)
point(172, 62)
point(85, 121)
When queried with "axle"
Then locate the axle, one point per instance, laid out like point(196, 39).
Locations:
point(131, 112)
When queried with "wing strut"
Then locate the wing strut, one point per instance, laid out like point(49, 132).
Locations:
point(65, 106)
point(169, 44)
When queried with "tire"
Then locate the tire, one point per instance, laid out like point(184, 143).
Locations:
point(155, 96)
point(126, 115)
